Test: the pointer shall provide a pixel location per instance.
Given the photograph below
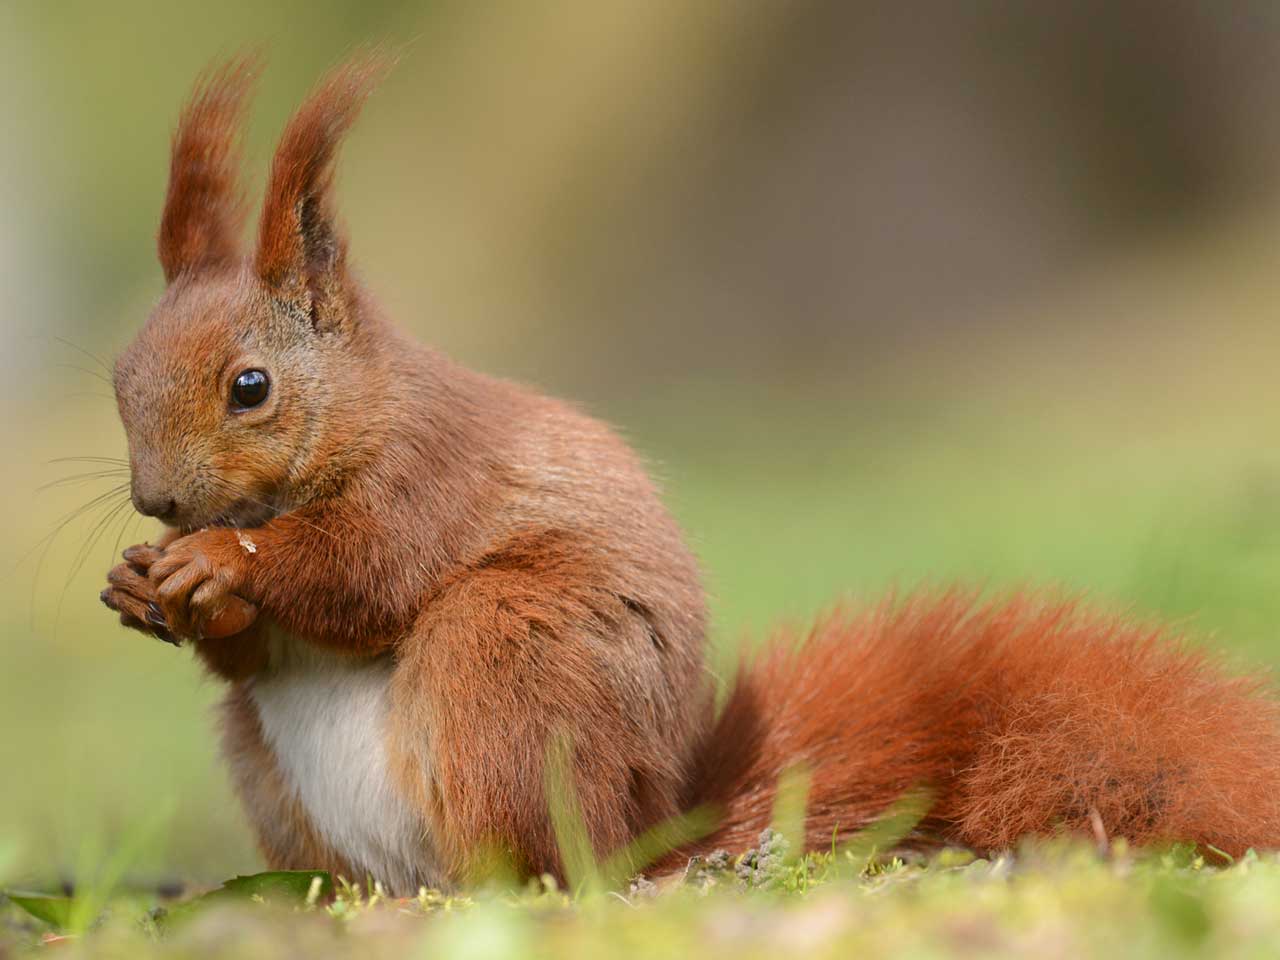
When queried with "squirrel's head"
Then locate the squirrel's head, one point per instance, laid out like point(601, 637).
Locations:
point(231, 391)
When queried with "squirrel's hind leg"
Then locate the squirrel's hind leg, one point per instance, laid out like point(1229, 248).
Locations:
point(503, 668)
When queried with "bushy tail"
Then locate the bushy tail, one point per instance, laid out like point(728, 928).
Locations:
point(1021, 717)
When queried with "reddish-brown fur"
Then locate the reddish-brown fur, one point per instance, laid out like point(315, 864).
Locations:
point(509, 561)
point(297, 241)
point(203, 210)
point(1024, 716)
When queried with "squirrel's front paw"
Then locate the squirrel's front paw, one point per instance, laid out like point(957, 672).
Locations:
point(134, 597)
point(195, 582)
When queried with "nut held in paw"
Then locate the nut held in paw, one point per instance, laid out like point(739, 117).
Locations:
point(237, 615)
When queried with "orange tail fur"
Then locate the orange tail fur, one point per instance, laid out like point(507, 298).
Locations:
point(1022, 717)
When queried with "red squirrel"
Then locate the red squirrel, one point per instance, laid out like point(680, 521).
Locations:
point(413, 578)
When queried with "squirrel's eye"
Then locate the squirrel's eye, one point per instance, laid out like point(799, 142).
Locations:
point(250, 389)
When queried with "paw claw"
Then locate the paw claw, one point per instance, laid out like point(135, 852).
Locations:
point(155, 617)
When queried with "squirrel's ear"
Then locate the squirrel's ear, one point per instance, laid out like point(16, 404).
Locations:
point(301, 252)
point(204, 209)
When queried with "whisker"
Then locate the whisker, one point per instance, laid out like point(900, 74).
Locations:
point(45, 543)
point(137, 524)
point(80, 478)
point(86, 371)
point(128, 517)
point(83, 352)
point(116, 461)
point(95, 534)
point(68, 517)
point(82, 554)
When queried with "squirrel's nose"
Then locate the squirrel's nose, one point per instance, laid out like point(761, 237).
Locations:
point(158, 506)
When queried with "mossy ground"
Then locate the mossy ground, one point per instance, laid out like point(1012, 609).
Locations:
point(1048, 900)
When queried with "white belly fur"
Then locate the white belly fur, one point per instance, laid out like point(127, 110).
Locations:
point(326, 718)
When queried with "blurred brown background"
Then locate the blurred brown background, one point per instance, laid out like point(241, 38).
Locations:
point(887, 293)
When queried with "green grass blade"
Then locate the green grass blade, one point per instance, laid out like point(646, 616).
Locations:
point(53, 910)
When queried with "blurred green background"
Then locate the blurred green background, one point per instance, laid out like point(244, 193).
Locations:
point(979, 292)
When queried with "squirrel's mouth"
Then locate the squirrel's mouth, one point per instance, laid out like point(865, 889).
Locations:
point(242, 514)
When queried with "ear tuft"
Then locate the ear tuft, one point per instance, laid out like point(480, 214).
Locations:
point(204, 209)
point(300, 250)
